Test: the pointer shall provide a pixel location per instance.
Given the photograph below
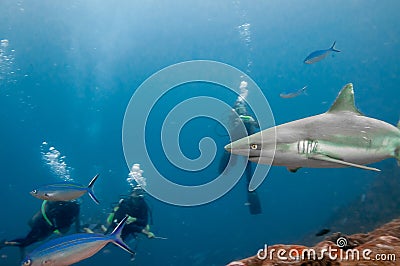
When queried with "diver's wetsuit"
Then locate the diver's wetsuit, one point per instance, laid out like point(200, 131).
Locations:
point(135, 207)
point(60, 216)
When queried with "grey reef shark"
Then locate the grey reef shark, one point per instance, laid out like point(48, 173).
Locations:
point(341, 137)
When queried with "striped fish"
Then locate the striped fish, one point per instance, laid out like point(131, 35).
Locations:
point(67, 250)
point(65, 191)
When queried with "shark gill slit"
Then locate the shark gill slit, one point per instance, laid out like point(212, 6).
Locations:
point(306, 146)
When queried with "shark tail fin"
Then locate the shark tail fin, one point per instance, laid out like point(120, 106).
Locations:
point(90, 189)
point(333, 48)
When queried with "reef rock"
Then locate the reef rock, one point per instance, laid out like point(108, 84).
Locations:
point(379, 247)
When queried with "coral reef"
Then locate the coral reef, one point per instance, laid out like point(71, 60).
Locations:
point(380, 204)
point(379, 247)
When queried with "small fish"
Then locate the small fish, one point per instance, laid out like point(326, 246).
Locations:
point(65, 191)
point(323, 232)
point(294, 94)
point(67, 250)
point(319, 54)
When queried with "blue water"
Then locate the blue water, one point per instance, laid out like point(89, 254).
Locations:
point(73, 66)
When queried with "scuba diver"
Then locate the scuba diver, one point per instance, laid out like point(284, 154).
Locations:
point(138, 211)
point(53, 217)
point(135, 207)
point(240, 110)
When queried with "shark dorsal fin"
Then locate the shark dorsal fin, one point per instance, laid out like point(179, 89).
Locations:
point(345, 101)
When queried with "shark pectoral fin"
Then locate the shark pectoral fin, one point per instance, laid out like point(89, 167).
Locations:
point(332, 160)
point(293, 170)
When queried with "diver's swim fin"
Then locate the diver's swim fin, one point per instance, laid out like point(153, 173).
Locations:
point(254, 203)
point(252, 198)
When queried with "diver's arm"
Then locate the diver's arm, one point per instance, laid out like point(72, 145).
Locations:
point(146, 231)
point(118, 213)
point(40, 232)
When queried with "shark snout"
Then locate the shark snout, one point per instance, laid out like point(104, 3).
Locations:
point(234, 148)
point(228, 147)
point(238, 148)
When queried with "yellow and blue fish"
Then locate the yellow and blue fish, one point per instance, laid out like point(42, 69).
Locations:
point(320, 54)
point(71, 249)
point(65, 191)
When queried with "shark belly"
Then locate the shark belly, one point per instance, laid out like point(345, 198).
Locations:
point(311, 154)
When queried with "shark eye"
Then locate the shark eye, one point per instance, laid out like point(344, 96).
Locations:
point(27, 262)
point(34, 191)
point(254, 146)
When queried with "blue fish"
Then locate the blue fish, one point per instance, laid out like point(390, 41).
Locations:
point(65, 191)
point(71, 249)
point(320, 54)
